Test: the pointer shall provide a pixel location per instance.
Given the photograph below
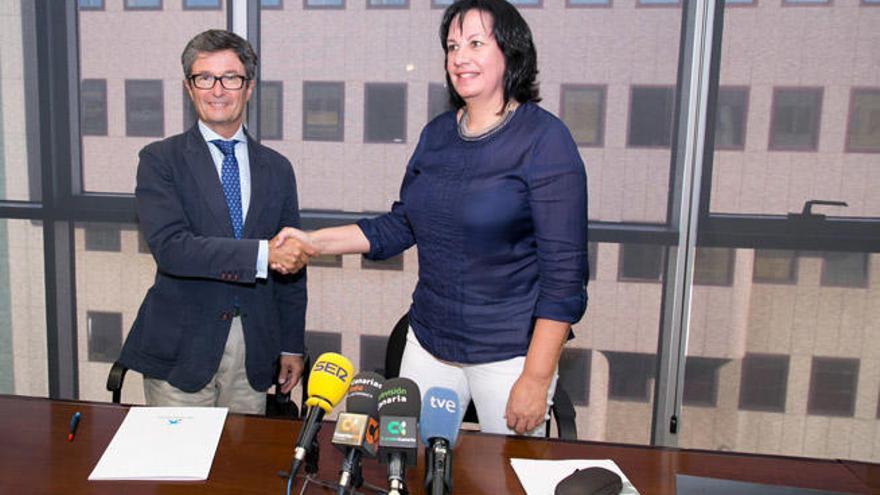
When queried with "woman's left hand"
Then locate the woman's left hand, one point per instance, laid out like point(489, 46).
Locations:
point(527, 404)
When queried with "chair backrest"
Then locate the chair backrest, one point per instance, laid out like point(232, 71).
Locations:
point(562, 409)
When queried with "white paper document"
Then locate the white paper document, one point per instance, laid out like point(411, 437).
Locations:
point(163, 443)
point(539, 477)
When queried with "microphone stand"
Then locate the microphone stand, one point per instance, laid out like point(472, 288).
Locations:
point(438, 468)
point(350, 473)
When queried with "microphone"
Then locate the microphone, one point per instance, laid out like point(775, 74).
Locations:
point(399, 404)
point(328, 382)
point(438, 428)
point(357, 430)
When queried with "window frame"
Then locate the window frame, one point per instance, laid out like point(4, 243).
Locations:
point(307, 6)
point(847, 148)
point(371, 6)
point(159, 6)
point(340, 134)
point(366, 119)
point(817, 119)
point(603, 105)
point(185, 7)
point(745, 119)
point(629, 120)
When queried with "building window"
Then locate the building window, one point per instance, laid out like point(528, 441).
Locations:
point(271, 109)
point(730, 118)
point(272, 4)
point(701, 381)
point(763, 382)
point(104, 336)
point(326, 260)
point(93, 107)
point(582, 108)
point(144, 112)
point(775, 266)
point(574, 374)
point(658, 3)
point(588, 3)
point(526, 3)
point(323, 111)
point(592, 259)
point(143, 4)
point(384, 113)
point(91, 4)
point(373, 353)
point(863, 132)
point(640, 262)
point(805, 2)
point(201, 4)
point(189, 112)
point(103, 237)
point(833, 384)
point(795, 121)
point(630, 374)
point(438, 100)
point(441, 3)
point(143, 247)
point(714, 266)
point(324, 4)
point(738, 3)
point(841, 269)
point(393, 263)
point(387, 4)
point(650, 117)
point(318, 343)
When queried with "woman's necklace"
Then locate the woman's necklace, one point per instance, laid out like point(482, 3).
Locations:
point(485, 132)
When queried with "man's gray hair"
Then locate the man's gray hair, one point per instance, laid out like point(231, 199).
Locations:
point(216, 40)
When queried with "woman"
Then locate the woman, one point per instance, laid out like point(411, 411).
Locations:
point(495, 197)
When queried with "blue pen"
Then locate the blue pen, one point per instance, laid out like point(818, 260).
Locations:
point(74, 421)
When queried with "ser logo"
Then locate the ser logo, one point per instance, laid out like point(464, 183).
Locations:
point(332, 369)
point(397, 428)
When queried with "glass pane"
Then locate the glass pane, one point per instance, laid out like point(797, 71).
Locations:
point(798, 115)
point(23, 343)
point(113, 273)
point(125, 105)
point(789, 348)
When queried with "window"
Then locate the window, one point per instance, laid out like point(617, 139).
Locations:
point(658, 3)
point(326, 260)
point(863, 132)
point(526, 3)
point(701, 381)
point(833, 384)
point(650, 117)
point(441, 3)
point(318, 343)
point(763, 382)
point(323, 111)
point(103, 237)
point(202, 4)
point(325, 4)
point(713, 266)
point(91, 4)
point(805, 2)
point(438, 100)
point(574, 374)
point(373, 353)
point(143, 4)
point(387, 4)
point(629, 375)
point(144, 112)
point(93, 107)
point(143, 247)
point(582, 108)
point(271, 110)
point(737, 3)
point(393, 263)
point(775, 266)
point(588, 3)
point(730, 118)
point(385, 113)
point(104, 336)
point(841, 269)
point(272, 4)
point(795, 120)
point(640, 262)
point(189, 112)
point(592, 258)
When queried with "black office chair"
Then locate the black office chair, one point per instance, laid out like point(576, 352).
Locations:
point(278, 405)
point(562, 410)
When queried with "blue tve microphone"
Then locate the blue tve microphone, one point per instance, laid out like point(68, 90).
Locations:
point(438, 427)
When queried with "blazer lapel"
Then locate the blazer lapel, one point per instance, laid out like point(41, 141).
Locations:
point(259, 188)
point(200, 163)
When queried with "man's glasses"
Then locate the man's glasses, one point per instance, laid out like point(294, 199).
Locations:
point(207, 81)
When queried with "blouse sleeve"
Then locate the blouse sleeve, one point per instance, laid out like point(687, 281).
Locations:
point(558, 199)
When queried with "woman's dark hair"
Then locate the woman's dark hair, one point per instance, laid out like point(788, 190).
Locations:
point(514, 38)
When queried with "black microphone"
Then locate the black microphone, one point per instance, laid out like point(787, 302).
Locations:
point(438, 428)
point(357, 429)
point(399, 406)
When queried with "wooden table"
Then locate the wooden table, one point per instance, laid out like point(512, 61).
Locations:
point(35, 458)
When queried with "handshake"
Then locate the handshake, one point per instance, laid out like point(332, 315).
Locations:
point(290, 250)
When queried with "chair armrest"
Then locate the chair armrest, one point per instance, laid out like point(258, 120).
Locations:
point(563, 411)
point(115, 379)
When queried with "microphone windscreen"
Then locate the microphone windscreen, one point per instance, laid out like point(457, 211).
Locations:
point(328, 380)
point(441, 416)
point(363, 394)
point(400, 397)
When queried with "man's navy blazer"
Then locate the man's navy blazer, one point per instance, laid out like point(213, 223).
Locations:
point(203, 272)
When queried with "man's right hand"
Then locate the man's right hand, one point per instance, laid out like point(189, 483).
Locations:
point(288, 253)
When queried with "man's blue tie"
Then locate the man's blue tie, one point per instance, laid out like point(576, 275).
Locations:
point(231, 184)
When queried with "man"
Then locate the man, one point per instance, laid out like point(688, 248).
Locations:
point(216, 319)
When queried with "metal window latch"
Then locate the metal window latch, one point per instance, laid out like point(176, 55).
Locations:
point(807, 213)
point(673, 424)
